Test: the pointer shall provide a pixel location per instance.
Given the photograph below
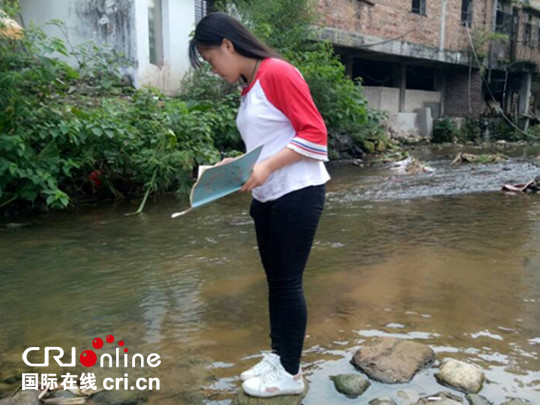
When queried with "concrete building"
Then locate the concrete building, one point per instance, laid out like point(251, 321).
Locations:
point(414, 56)
point(153, 34)
point(416, 61)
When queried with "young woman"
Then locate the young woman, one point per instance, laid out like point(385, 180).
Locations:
point(287, 183)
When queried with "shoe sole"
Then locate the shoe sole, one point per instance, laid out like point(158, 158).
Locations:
point(272, 394)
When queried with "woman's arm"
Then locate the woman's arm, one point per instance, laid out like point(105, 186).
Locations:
point(262, 170)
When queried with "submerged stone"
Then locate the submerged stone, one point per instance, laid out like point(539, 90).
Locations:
point(117, 397)
point(441, 398)
point(382, 401)
point(516, 401)
point(26, 397)
point(392, 360)
point(475, 399)
point(63, 394)
point(351, 385)
point(408, 395)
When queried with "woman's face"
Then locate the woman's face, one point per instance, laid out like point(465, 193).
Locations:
point(224, 61)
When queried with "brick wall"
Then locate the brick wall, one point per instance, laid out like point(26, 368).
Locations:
point(527, 50)
point(393, 18)
point(457, 93)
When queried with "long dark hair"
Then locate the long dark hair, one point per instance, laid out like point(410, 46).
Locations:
point(215, 27)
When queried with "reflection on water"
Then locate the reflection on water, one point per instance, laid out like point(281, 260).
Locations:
point(441, 259)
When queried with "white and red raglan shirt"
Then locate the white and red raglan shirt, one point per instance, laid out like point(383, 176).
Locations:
point(277, 111)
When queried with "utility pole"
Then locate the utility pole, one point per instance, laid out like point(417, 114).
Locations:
point(443, 26)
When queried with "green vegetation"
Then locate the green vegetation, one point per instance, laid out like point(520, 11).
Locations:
point(478, 130)
point(444, 131)
point(481, 38)
point(70, 133)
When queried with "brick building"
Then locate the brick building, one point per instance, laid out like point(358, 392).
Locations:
point(416, 61)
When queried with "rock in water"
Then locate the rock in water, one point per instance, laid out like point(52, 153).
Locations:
point(351, 385)
point(119, 397)
point(516, 401)
point(536, 185)
point(470, 158)
point(441, 398)
point(463, 376)
point(477, 400)
point(392, 360)
point(382, 401)
point(243, 399)
point(408, 396)
point(26, 397)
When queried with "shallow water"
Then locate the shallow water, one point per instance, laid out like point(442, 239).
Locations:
point(444, 259)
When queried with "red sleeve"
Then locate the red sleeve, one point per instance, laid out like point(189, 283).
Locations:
point(287, 90)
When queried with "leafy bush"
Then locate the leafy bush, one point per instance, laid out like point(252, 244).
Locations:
point(208, 92)
point(339, 99)
point(534, 132)
point(471, 130)
point(444, 131)
point(505, 131)
point(58, 143)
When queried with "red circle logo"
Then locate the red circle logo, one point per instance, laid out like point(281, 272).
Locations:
point(97, 343)
point(88, 358)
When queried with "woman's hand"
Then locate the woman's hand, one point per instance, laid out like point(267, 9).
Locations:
point(262, 170)
point(260, 173)
point(226, 160)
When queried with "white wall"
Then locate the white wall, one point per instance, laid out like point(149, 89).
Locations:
point(415, 120)
point(404, 124)
point(111, 23)
point(123, 24)
point(415, 99)
point(178, 21)
point(383, 98)
point(40, 12)
point(387, 98)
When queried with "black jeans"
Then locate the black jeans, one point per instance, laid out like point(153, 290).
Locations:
point(285, 229)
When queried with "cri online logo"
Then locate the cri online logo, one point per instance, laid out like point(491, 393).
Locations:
point(89, 358)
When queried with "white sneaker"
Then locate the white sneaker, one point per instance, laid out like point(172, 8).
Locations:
point(274, 382)
point(268, 362)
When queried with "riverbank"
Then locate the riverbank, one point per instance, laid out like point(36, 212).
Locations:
point(420, 150)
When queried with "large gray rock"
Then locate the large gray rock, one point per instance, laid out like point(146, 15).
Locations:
point(391, 360)
point(475, 399)
point(351, 385)
point(243, 399)
point(26, 397)
point(441, 398)
point(460, 375)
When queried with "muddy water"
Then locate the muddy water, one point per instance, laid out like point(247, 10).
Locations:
point(442, 259)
